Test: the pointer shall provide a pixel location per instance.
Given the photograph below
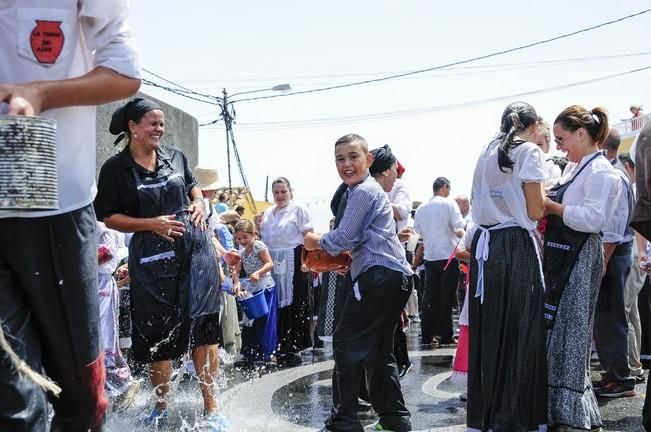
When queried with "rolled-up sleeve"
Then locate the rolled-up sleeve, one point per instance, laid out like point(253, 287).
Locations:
point(303, 220)
point(350, 231)
point(615, 229)
point(108, 200)
point(107, 34)
point(456, 219)
point(402, 201)
point(597, 207)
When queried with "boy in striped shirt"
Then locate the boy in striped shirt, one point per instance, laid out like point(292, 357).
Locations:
point(363, 338)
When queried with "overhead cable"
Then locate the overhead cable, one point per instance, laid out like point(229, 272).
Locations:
point(447, 65)
point(332, 121)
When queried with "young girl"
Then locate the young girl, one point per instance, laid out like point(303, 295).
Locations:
point(120, 386)
point(507, 373)
point(259, 336)
point(460, 363)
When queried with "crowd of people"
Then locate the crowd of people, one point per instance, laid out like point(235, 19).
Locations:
point(542, 258)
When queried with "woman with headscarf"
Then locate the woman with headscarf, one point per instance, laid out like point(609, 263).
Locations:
point(149, 189)
point(282, 227)
point(385, 171)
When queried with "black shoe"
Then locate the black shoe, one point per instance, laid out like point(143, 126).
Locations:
point(243, 363)
point(362, 405)
point(639, 379)
point(449, 342)
point(615, 390)
point(403, 370)
point(597, 385)
point(290, 360)
point(433, 344)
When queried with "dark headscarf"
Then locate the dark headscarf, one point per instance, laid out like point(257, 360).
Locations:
point(383, 159)
point(338, 203)
point(132, 110)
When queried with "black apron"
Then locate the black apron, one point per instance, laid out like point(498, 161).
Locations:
point(562, 245)
point(171, 282)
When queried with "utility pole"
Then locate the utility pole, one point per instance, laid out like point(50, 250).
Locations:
point(228, 125)
point(230, 138)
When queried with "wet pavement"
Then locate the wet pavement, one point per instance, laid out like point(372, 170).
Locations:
point(298, 399)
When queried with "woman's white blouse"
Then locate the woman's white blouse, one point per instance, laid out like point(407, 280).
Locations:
point(498, 197)
point(285, 228)
point(589, 200)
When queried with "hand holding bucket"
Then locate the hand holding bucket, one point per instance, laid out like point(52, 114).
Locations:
point(254, 305)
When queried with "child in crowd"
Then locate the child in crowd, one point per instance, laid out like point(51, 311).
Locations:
point(460, 363)
point(363, 338)
point(120, 386)
point(259, 335)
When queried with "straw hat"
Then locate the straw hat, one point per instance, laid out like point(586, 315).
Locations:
point(207, 178)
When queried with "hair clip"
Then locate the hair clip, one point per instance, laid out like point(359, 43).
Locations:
point(595, 118)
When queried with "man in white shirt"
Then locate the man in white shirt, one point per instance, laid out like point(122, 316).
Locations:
point(440, 224)
point(58, 60)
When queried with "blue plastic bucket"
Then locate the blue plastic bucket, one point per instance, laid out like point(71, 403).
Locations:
point(255, 306)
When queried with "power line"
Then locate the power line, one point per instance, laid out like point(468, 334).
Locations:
point(211, 122)
point(456, 63)
point(178, 92)
point(333, 121)
point(526, 65)
point(182, 88)
point(479, 68)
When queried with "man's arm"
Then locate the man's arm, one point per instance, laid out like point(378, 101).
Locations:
point(609, 249)
point(99, 86)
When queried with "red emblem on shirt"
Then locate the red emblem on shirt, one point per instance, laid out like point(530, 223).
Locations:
point(47, 41)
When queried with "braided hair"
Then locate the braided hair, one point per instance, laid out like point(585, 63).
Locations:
point(517, 117)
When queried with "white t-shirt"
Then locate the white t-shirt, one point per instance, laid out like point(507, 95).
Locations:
point(89, 33)
point(498, 197)
point(436, 221)
point(399, 197)
point(589, 200)
point(284, 229)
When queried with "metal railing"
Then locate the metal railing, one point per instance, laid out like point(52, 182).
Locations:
point(632, 125)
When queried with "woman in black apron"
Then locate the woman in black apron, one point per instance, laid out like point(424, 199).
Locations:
point(578, 208)
point(149, 189)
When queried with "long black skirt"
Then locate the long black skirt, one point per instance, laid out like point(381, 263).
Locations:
point(507, 372)
point(294, 320)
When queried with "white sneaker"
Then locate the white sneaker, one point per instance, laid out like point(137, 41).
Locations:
point(125, 400)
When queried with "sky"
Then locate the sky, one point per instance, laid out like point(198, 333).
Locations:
point(446, 116)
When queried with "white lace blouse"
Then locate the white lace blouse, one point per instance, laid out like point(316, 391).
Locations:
point(498, 197)
point(284, 229)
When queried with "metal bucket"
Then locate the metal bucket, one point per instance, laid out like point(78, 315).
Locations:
point(28, 165)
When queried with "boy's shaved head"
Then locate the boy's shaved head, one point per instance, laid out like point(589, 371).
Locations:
point(353, 139)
